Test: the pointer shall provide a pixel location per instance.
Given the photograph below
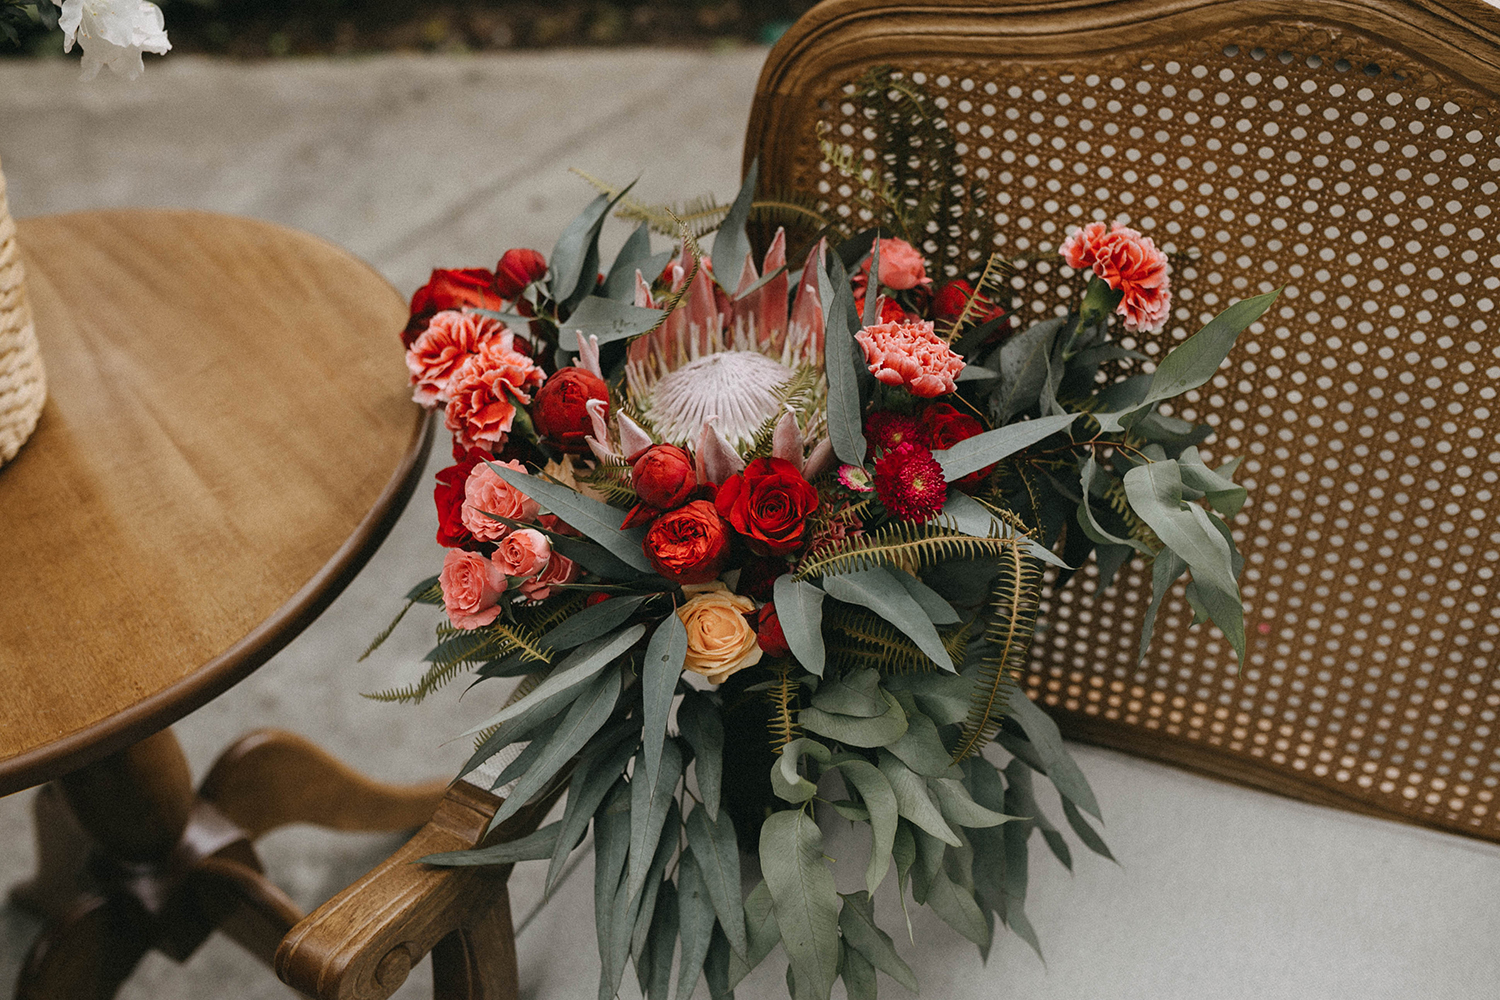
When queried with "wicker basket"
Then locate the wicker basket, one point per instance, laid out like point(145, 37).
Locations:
point(23, 384)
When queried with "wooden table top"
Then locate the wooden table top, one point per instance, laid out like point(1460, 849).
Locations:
point(228, 436)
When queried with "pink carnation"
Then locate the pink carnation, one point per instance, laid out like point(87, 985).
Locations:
point(472, 586)
point(450, 338)
point(486, 493)
point(485, 389)
point(1129, 263)
point(910, 354)
point(523, 553)
point(559, 569)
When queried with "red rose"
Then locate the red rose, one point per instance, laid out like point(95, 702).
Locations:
point(947, 426)
point(517, 269)
point(950, 302)
point(473, 287)
point(449, 498)
point(664, 476)
point(768, 503)
point(769, 634)
point(560, 412)
point(689, 544)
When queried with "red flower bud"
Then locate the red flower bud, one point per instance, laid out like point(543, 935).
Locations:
point(517, 269)
point(560, 411)
point(449, 498)
point(663, 476)
point(769, 634)
point(946, 426)
point(689, 544)
point(597, 597)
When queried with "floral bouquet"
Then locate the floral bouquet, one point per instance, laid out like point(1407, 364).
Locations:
point(765, 546)
point(111, 33)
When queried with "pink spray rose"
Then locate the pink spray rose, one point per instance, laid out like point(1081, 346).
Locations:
point(901, 265)
point(472, 586)
point(523, 553)
point(451, 336)
point(1130, 263)
point(910, 354)
point(486, 493)
point(559, 569)
point(484, 390)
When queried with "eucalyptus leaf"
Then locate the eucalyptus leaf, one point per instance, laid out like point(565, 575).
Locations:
point(854, 731)
point(661, 943)
point(855, 693)
point(799, 608)
point(1166, 569)
point(1017, 862)
point(974, 373)
point(872, 287)
point(611, 847)
point(880, 801)
point(765, 935)
point(971, 517)
point(532, 847)
point(960, 809)
point(1022, 363)
point(1223, 494)
point(620, 282)
point(1086, 833)
point(786, 780)
point(608, 319)
point(920, 747)
point(704, 732)
point(875, 588)
point(1086, 519)
point(731, 244)
point(581, 666)
point(570, 253)
point(806, 902)
point(864, 936)
point(665, 655)
point(850, 811)
point(858, 974)
point(599, 522)
point(716, 966)
point(643, 902)
point(713, 844)
point(586, 791)
point(938, 611)
point(695, 924)
point(593, 622)
point(956, 906)
point(844, 408)
point(1194, 361)
point(973, 454)
point(1044, 736)
point(944, 698)
point(912, 799)
point(652, 791)
point(1021, 796)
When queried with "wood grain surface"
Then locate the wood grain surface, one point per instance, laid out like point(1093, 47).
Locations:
point(227, 439)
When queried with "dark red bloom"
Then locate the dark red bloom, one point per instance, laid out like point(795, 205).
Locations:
point(689, 544)
point(910, 483)
point(472, 287)
point(449, 498)
point(769, 634)
point(560, 411)
point(769, 504)
point(663, 476)
point(597, 597)
point(517, 269)
point(758, 576)
point(949, 303)
point(946, 427)
point(886, 431)
point(891, 312)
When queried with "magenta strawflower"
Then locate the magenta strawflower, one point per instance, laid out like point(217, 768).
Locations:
point(910, 483)
point(885, 431)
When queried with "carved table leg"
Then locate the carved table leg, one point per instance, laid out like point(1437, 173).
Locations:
point(130, 858)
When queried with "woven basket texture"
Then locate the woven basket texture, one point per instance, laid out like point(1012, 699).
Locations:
point(23, 384)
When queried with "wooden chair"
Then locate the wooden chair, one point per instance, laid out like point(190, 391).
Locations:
point(1343, 150)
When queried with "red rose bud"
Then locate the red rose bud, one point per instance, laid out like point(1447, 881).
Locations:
point(663, 476)
point(517, 269)
point(946, 427)
point(560, 412)
point(597, 597)
point(472, 287)
point(950, 302)
point(769, 634)
point(449, 498)
point(689, 544)
point(769, 504)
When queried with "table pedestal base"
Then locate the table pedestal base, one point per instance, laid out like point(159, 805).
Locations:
point(130, 858)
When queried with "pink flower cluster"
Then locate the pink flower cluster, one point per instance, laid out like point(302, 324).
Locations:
point(470, 364)
point(911, 354)
point(1130, 263)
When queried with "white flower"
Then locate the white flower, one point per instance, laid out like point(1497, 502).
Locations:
point(113, 33)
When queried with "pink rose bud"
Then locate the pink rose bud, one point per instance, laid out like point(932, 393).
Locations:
point(523, 553)
point(901, 265)
point(559, 569)
point(472, 586)
point(486, 493)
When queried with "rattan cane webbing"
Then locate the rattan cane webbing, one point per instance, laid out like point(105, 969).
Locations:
point(1365, 180)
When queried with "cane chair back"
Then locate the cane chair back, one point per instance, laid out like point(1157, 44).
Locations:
point(1349, 151)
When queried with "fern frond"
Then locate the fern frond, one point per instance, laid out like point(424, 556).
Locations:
point(857, 637)
point(900, 543)
point(1010, 632)
point(525, 640)
point(385, 633)
point(800, 392)
point(783, 694)
point(785, 207)
point(436, 676)
point(993, 280)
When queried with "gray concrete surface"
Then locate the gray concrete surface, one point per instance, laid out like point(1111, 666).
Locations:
point(1221, 892)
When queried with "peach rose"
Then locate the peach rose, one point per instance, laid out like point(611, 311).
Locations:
point(486, 493)
point(472, 586)
point(1131, 264)
point(451, 336)
point(484, 391)
point(720, 639)
point(901, 265)
point(559, 569)
point(910, 354)
point(523, 553)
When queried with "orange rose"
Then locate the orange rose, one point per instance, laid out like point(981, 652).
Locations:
point(720, 639)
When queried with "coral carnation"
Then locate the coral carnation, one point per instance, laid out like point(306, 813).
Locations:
point(910, 354)
point(451, 336)
point(1131, 264)
point(910, 483)
point(484, 392)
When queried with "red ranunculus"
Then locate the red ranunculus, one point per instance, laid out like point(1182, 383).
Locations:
point(449, 498)
point(560, 414)
point(769, 634)
point(768, 503)
point(663, 476)
point(689, 544)
point(946, 427)
point(517, 269)
point(473, 287)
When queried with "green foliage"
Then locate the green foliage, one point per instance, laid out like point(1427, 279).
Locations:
point(899, 543)
point(1011, 624)
point(782, 693)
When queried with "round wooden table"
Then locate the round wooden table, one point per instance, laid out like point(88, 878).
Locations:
point(227, 439)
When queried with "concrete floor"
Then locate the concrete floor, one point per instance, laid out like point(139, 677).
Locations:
point(1221, 892)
